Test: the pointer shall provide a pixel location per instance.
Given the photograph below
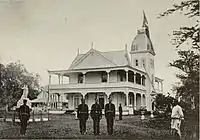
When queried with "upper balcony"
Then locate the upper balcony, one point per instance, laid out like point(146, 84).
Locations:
point(101, 79)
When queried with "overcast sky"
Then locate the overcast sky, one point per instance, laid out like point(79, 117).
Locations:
point(45, 34)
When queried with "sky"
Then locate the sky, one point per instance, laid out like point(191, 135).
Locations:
point(46, 34)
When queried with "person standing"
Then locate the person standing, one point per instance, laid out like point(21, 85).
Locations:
point(24, 115)
point(96, 114)
point(176, 117)
point(82, 114)
point(110, 115)
point(120, 111)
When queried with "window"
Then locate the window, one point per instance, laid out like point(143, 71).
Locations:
point(148, 47)
point(152, 63)
point(136, 62)
point(104, 77)
point(138, 78)
point(80, 78)
point(121, 75)
point(143, 63)
point(136, 47)
point(67, 97)
point(76, 102)
point(143, 80)
point(133, 47)
point(131, 76)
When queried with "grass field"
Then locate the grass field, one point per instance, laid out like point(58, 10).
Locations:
point(66, 127)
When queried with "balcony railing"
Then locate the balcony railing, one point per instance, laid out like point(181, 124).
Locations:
point(97, 85)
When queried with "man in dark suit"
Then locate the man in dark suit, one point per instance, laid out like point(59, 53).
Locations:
point(24, 115)
point(82, 114)
point(96, 114)
point(110, 115)
point(120, 111)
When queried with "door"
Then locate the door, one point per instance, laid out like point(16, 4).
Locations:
point(101, 102)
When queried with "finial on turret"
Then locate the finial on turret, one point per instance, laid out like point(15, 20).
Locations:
point(92, 45)
point(145, 21)
point(78, 51)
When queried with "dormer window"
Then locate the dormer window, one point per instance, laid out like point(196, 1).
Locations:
point(136, 62)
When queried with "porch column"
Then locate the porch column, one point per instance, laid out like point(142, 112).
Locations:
point(49, 79)
point(142, 103)
point(161, 86)
point(134, 77)
point(62, 79)
point(134, 101)
point(84, 77)
point(126, 75)
point(127, 103)
point(108, 76)
point(58, 79)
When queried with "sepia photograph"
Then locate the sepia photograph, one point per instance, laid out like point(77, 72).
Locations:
point(99, 69)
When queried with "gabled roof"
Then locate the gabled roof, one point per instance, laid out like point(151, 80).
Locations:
point(97, 59)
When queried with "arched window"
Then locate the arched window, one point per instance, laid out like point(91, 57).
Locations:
point(143, 80)
point(136, 47)
point(138, 78)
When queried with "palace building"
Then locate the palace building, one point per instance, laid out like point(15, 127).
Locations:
point(128, 77)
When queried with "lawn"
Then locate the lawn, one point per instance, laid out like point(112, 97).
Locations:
point(65, 126)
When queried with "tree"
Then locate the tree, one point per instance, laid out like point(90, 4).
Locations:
point(13, 77)
point(163, 103)
point(190, 8)
point(188, 62)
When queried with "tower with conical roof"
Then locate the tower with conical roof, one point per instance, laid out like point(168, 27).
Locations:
point(142, 55)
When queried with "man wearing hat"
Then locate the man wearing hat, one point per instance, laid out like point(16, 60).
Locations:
point(24, 115)
point(120, 111)
point(110, 115)
point(96, 114)
point(176, 117)
point(82, 114)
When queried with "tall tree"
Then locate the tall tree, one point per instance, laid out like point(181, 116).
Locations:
point(13, 77)
point(188, 62)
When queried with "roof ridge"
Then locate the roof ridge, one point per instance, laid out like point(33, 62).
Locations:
point(113, 51)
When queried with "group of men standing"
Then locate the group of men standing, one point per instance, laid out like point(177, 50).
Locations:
point(96, 115)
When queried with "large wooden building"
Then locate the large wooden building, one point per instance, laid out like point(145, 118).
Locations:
point(128, 77)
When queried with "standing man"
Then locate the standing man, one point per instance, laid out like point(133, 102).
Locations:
point(82, 114)
point(96, 114)
point(176, 117)
point(24, 115)
point(110, 115)
point(120, 111)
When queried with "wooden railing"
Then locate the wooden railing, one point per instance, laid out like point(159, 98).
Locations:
point(13, 116)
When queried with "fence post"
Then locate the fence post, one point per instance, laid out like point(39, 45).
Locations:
point(41, 116)
point(48, 114)
point(33, 116)
point(13, 117)
point(5, 115)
